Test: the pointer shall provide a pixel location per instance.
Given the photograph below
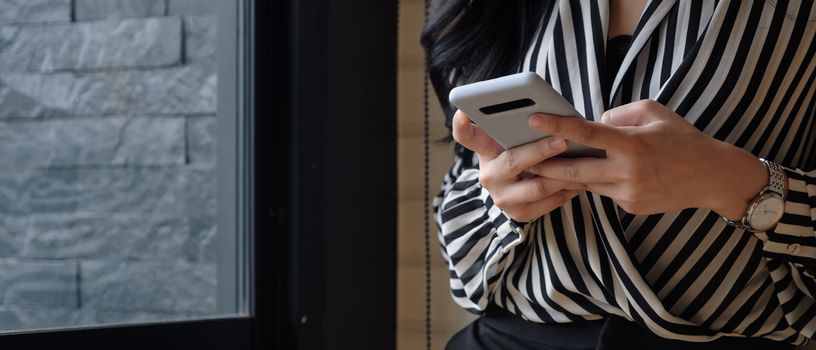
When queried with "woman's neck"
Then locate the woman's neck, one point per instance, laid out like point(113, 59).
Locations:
point(624, 16)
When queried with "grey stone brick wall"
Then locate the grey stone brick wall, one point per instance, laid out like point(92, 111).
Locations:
point(34, 11)
point(99, 9)
point(107, 161)
point(123, 43)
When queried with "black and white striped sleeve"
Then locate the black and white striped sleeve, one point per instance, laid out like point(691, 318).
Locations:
point(477, 238)
point(790, 249)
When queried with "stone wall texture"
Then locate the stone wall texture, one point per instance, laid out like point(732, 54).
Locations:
point(107, 161)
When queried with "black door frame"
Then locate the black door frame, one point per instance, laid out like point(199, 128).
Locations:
point(336, 95)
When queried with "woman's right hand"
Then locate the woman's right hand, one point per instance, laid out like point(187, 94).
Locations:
point(522, 196)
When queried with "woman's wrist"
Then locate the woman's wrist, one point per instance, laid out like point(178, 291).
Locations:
point(741, 180)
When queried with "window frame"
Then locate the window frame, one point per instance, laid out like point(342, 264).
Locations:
point(332, 114)
point(321, 142)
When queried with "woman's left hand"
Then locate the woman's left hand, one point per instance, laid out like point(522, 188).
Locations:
point(655, 162)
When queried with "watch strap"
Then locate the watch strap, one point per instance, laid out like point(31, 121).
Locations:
point(777, 182)
point(739, 224)
point(777, 178)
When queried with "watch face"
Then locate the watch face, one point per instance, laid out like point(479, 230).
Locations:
point(766, 212)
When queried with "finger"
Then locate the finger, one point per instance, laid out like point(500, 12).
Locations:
point(512, 162)
point(579, 130)
point(610, 190)
point(532, 190)
point(624, 201)
point(577, 170)
point(538, 208)
point(634, 114)
point(472, 137)
point(616, 192)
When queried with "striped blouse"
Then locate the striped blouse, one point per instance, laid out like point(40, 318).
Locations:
point(740, 71)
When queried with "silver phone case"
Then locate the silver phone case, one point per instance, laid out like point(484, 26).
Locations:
point(510, 128)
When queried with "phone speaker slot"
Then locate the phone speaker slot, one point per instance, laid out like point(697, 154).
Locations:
point(507, 106)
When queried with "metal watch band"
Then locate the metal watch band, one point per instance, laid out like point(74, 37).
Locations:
point(739, 224)
point(777, 178)
point(776, 183)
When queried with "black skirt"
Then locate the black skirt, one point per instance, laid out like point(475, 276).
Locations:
point(499, 329)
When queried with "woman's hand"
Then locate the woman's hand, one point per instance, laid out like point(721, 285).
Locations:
point(523, 198)
point(656, 162)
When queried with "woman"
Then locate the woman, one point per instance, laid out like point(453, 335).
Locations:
point(697, 230)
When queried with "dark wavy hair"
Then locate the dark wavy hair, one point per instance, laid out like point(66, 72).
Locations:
point(467, 41)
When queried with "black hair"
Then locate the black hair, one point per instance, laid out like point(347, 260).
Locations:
point(467, 41)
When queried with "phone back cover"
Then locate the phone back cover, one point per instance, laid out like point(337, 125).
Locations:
point(511, 128)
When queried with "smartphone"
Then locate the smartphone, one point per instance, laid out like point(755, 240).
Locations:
point(503, 105)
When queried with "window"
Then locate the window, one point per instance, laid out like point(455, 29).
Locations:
point(301, 258)
point(123, 163)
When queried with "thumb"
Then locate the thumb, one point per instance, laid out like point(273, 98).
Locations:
point(472, 137)
point(633, 114)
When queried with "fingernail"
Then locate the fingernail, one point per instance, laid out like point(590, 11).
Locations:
point(557, 143)
point(537, 120)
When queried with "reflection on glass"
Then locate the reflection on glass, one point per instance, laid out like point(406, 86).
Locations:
point(107, 162)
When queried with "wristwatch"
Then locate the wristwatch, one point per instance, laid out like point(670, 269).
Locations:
point(767, 208)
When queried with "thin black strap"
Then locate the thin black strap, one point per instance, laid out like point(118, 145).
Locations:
point(426, 195)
